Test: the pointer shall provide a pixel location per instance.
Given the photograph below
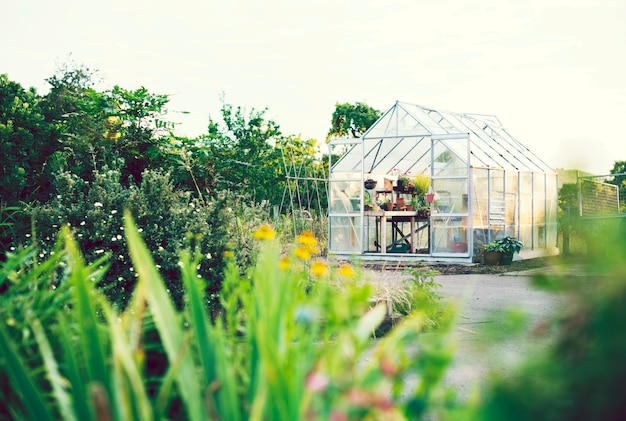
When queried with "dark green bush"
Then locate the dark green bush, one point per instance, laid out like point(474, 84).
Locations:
point(170, 220)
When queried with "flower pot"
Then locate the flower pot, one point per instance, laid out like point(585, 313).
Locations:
point(423, 213)
point(491, 258)
point(370, 184)
point(409, 207)
point(506, 258)
point(401, 203)
point(459, 247)
point(388, 206)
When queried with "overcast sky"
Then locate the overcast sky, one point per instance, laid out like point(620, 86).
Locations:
point(552, 71)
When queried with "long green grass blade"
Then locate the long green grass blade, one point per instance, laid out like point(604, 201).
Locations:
point(57, 382)
point(134, 402)
point(30, 392)
point(71, 355)
point(166, 320)
point(91, 344)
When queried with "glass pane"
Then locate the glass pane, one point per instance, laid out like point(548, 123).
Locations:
point(345, 196)
point(551, 210)
point(449, 157)
point(539, 211)
point(450, 195)
point(511, 188)
point(344, 234)
point(526, 209)
point(449, 234)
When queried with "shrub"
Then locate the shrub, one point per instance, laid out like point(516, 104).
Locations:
point(171, 220)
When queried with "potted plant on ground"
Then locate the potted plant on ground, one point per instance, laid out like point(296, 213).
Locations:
point(492, 253)
point(509, 246)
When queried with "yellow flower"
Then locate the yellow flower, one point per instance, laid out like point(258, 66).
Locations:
point(307, 239)
point(228, 254)
point(283, 264)
point(265, 232)
point(319, 268)
point(303, 253)
point(346, 271)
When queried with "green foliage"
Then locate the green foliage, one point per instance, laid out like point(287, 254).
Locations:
point(352, 119)
point(26, 141)
point(242, 151)
point(170, 219)
point(421, 288)
point(289, 346)
point(509, 244)
point(494, 246)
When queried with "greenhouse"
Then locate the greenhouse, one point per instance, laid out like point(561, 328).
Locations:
point(427, 184)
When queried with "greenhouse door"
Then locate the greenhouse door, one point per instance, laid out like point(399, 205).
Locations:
point(450, 214)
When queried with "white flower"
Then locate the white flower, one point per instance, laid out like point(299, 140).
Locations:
point(114, 211)
point(98, 204)
point(100, 251)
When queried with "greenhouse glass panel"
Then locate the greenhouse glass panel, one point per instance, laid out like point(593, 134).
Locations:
point(345, 196)
point(449, 235)
point(526, 209)
point(480, 197)
point(449, 157)
point(512, 203)
point(344, 234)
point(551, 210)
point(450, 195)
point(404, 153)
point(539, 211)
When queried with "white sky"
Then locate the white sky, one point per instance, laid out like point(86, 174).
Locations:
point(553, 71)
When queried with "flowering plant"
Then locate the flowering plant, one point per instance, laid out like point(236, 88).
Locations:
point(402, 175)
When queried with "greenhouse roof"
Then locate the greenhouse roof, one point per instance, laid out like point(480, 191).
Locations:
point(400, 139)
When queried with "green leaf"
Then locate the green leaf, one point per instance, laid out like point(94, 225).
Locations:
point(166, 320)
point(370, 321)
point(32, 396)
point(57, 382)
point(93, 347)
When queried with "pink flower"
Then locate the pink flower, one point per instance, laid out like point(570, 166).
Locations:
point(316, 381)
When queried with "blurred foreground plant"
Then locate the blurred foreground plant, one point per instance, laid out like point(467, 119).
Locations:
point(581, 376)
point(289, 344)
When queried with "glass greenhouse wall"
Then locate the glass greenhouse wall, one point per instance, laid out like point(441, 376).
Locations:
point(454, 181)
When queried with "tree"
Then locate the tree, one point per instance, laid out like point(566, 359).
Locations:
point(26, 141)
point(113, 127)
point(352, 119)
point(243, 155)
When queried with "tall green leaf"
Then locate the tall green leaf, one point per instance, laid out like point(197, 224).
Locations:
point(92, 345)
point(30, 392)
point(167, 321)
